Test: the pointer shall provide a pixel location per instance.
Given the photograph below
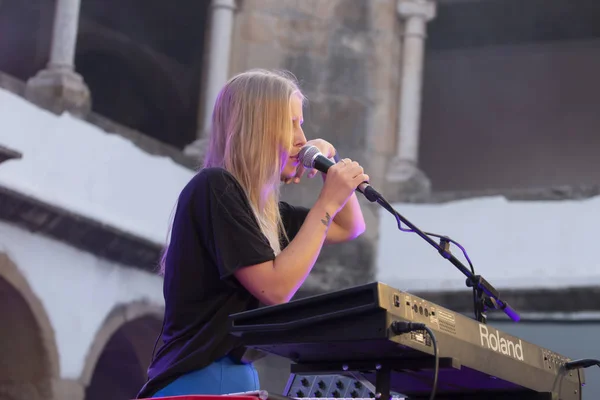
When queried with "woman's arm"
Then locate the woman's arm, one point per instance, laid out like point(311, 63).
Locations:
point(348, 224)
point(277, 281)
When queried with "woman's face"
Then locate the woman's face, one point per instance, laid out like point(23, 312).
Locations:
point(292, 162)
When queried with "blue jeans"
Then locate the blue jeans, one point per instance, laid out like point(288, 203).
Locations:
point(221, 377)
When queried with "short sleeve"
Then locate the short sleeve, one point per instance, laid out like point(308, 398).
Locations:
point(231, 231)
point(292, 217)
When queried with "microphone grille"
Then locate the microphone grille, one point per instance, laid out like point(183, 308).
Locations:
point(307, 155)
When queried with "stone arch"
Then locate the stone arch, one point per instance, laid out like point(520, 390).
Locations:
point(115, 366)
point(134, 86)
point(29, 362)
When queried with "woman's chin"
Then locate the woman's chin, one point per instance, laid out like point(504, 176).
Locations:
point(288, 172)
point(285, 177)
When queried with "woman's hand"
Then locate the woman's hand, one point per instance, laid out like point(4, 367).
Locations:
point(343, 179)
point(325, 148)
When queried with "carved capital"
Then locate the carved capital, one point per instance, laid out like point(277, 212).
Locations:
point(423, 9)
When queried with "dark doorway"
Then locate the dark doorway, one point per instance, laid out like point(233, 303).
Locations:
point(24, 364)
point(121, 369)
point(142, 60)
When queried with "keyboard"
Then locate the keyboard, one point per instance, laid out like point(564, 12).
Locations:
point(348, 332)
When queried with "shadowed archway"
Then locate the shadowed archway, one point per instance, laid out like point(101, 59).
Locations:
point(143, 63)
point(116, 364)
point(29, 363)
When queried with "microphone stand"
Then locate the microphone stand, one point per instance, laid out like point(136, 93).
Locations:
point(486, 296)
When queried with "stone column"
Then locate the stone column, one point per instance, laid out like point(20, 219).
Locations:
point(406, 178)
point(58, 87)
point(221, 32)
point(67, 389)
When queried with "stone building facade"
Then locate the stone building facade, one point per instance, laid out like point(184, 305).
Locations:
point(160, 74)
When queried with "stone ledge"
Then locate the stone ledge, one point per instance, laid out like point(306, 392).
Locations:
point(12, 84)
point(565, 300)
point(146, 143)
point(80, 232)
point(557, 193)
point(8, 154)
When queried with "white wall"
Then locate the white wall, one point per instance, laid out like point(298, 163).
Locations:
point(77, 290)
point(76, 166)
point(512, 244)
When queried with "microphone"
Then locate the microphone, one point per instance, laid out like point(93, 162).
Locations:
point(311, 157)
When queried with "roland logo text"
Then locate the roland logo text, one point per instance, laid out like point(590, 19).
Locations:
point(492, 340)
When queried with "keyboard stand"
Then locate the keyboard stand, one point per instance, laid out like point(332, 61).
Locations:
point(383, 370)
point(383, 382)
point(383, 374)
point(361, 378)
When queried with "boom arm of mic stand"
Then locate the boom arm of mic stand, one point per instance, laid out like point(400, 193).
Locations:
point(474, 281)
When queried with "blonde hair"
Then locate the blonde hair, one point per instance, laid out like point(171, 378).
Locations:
point(251, 137)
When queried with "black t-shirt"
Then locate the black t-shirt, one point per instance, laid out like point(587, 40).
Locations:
point(214, 233)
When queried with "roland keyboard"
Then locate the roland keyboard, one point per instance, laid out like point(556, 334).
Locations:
point(349, 330)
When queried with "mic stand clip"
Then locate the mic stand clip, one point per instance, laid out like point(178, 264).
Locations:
point(483, 301)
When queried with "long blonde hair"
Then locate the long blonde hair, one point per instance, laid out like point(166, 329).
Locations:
point(251, 137)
